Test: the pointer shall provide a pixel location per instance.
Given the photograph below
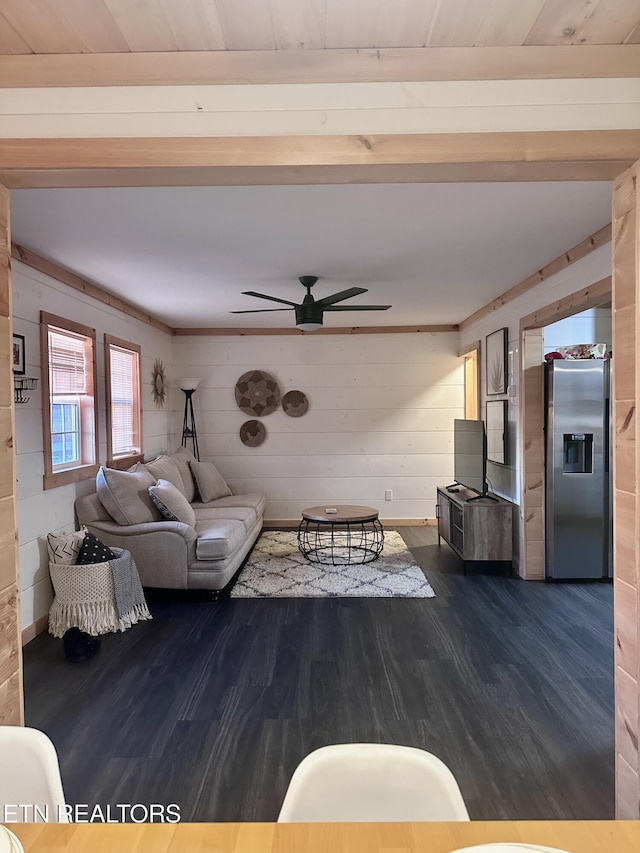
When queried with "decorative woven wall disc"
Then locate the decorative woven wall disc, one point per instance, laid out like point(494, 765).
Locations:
point(295, 404)
point(253, 433)
point(257, 393)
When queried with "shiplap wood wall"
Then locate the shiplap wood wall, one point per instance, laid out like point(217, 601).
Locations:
point(381, 410)
point(11, 703)
point(506, 479)
point(592, 326)
point(40, 512)
point(626, 477)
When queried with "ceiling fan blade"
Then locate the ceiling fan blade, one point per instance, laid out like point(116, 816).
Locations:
point(259, 311)
point(358, 308)
point(338, 297)
point(264, 296)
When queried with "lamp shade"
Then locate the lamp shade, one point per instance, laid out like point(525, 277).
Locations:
point(189, 384)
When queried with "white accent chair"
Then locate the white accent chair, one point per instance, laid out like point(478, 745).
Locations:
point(30, 775)
point(372, 782)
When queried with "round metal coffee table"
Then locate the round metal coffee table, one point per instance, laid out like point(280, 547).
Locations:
point(349, 535)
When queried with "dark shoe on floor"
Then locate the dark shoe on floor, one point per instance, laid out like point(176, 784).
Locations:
point(78, 645)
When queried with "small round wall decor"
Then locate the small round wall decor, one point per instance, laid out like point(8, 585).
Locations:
point(253, 433)
point(295, 404)
point(257, 393)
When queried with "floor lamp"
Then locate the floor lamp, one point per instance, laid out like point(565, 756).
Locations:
point(188, 422)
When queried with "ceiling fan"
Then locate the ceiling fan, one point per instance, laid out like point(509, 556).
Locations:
point(309, 313)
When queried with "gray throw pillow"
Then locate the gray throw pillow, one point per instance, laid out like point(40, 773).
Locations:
point(125, 497)
point(172, 503)
point(209, 481)
point(164, 468)
point(181, 459)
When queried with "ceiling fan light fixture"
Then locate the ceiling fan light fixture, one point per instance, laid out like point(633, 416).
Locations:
point(310, 312)
point(308, 318)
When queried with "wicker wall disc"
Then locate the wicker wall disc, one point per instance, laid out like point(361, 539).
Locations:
point(253, 433)
point(257, 393)
point(295, 404)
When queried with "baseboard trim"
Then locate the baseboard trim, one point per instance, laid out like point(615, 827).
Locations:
point(292, 523)
point(38, 627)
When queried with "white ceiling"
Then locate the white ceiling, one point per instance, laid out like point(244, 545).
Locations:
point(436, 252)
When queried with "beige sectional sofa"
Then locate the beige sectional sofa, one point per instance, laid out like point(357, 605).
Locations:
point(196, 539)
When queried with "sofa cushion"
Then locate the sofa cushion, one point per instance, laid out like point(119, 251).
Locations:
point(172, 503)
point(181, 459)
point(219, 539)
point(209, 481)
point(240, 513)
point(164, 468)
point(125, 497)
point(256, 500)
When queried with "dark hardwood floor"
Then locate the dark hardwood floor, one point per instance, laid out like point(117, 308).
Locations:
point(212, 705)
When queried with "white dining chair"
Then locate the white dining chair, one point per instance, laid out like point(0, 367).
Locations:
point(372, 782)
point(30, 776)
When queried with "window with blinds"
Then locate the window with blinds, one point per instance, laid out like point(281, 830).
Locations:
point(122, 360)
point(70, 424)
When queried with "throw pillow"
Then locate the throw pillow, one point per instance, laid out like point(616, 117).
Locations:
point(181, 459)
point(209, 481)
point(64, 548)
point(164, 468)
point(125, 497)
point(172, 503)
point(94, 551)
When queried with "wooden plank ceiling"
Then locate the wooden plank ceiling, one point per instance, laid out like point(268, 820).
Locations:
point(119, 26)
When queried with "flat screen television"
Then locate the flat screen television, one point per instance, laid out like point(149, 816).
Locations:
point(470, 455)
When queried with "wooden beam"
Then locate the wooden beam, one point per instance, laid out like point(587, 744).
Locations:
point(185, 68)
point(626, 490)
point(503, 156)
point(430, 173)
point(581, 250)
point(11, 698)
point(268, 151)
point(343, 330)
point(50, 268)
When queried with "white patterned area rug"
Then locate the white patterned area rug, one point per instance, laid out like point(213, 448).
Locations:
point(277, 569)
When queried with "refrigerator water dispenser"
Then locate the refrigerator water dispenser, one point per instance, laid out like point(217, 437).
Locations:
point(577, 453)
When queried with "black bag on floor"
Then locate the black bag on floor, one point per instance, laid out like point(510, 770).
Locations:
point(78, 645)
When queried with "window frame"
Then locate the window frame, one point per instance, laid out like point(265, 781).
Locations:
point(88, 420)
point(131, 458)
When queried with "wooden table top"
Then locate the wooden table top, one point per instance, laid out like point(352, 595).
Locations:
point(346, 513)
point(572, 836)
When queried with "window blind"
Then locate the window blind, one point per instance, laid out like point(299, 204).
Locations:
point(124, 401)
point(67, 363)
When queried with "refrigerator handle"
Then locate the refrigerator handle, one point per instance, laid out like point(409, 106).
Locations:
point(607, 431)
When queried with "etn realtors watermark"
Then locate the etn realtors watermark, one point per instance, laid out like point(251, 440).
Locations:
point(85, 813)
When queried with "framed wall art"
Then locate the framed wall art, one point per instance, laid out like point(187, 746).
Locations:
point(497, 431)
point(496, 361)
point(18, 355)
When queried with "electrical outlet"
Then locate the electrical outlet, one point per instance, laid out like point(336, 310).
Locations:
point(388, 495)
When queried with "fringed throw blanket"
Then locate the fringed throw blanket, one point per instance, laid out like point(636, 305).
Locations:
point(97, 598)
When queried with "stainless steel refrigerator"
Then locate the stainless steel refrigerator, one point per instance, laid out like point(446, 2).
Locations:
point(578, 489)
